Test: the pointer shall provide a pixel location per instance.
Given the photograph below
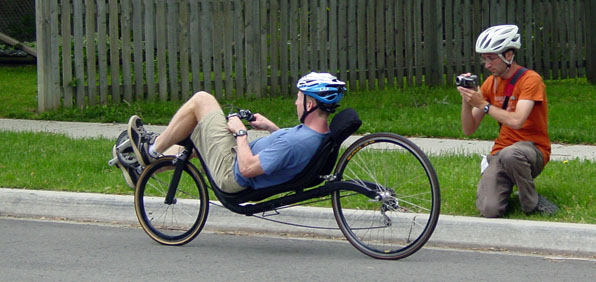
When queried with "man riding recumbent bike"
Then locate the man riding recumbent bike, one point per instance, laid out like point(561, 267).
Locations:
point(383, 189)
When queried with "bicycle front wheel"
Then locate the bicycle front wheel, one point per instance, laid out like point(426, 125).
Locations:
point(175, 223)
point(400, 223)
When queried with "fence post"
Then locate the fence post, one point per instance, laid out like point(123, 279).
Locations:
point(589, 10)
point(253, 57)
point(433, 33)
point(44, 79)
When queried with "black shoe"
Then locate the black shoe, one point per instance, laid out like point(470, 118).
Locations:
point(141, 140)
point(545, 207)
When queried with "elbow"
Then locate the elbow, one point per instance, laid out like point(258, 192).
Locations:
point(248, 172)
point(516, 124)
point(468, 130)
point(245, 172)
point(469, 126)
point(248, 166)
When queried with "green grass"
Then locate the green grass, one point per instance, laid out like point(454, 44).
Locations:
point(558, 182)
point(56, 162)
point(18, 89)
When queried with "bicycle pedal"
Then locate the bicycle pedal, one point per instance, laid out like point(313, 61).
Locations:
point(124, 145)
point(113, 162)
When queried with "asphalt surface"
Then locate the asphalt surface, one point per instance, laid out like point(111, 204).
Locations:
point(452, 231)
point(49, 250)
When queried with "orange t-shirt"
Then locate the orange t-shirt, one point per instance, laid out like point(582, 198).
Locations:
point(535, 128)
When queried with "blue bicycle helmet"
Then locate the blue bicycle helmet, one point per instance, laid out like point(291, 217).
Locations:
point(325, 88)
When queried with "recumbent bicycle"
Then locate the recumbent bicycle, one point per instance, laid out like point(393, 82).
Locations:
point(383, 189)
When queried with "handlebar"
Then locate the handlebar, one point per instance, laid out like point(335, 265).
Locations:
point(243, 114)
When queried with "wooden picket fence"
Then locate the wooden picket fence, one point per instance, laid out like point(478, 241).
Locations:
point(108, 51)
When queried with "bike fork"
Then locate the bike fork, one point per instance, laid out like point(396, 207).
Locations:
point(180, 161)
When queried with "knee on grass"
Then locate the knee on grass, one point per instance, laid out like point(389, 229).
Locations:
point(491, 209)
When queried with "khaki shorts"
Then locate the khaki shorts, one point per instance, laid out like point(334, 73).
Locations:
point(218, 149)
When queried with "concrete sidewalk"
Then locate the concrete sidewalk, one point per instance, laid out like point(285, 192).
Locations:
point(452, 231)
point(428, 145)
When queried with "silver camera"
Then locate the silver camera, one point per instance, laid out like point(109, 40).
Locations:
point(467, 81)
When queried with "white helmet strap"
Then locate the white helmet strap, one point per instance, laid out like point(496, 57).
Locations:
point(505, 60)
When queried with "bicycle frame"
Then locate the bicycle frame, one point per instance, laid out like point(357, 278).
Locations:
point(388, 219)
point(368, 189)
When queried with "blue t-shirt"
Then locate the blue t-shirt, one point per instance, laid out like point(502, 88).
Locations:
point(283, 155)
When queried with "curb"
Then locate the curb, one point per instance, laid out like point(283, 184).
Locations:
point(452, 231)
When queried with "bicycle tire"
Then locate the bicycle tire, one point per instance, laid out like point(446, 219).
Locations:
point(401, 224)
point(177, 223)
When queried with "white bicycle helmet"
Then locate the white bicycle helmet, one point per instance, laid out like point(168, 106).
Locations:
point(498, 39)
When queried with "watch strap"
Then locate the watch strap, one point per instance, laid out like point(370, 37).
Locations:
point(486, 108)
point(240, 132)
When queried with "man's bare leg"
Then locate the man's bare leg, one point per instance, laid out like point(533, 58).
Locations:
point(186, 119)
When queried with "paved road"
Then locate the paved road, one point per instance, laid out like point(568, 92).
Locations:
point(35, 250)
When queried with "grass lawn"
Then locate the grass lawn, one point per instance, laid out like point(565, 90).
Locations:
point(18, 89)
point(55, 162)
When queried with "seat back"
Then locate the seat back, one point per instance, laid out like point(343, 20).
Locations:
point(343, 124)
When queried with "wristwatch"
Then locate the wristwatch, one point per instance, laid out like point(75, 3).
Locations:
point(240, 132)
point(486, 108)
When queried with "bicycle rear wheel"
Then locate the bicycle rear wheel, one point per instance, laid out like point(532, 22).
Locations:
point(181, 221)
point(403, 221)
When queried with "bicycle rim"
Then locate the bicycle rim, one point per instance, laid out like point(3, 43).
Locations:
point(181, 221)
point(402, 223)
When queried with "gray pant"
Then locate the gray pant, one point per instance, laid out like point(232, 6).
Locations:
point(516, 165)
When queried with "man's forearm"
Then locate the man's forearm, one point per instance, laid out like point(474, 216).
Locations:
point(248, 164)
point(272, 128)
point(468, 122)
point(514, 119)
point(262, 123)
